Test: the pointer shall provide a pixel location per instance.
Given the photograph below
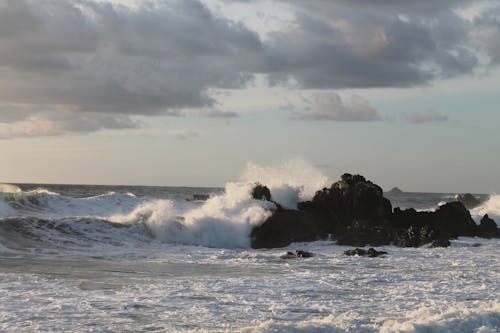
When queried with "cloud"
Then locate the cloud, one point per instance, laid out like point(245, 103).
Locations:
point(338, 44)
point(329, 106)
point(60, 122)
point(99, 59)
point(429, 116)
point(93, 56)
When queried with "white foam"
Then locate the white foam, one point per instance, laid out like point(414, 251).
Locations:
point(224, 220)
point(483, 318)
point(8, 188)
point(290, 182)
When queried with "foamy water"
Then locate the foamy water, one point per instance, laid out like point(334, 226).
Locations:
point(121, 262)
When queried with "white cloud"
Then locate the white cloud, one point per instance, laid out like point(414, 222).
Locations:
point(329, 106)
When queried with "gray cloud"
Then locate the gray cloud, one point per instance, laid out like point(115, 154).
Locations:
point(97, 57)
point(337, 45)
point(428, 116)
point(329, 106)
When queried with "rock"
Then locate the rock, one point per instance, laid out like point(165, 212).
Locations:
point(416, 236)
point(354, 212)
point(199, 197)
point(261, 192)
point(297, 254)
point(468, 200)
point(443, 242)
point(372, 253)
point(351, 207)
point(453, 219)
point(450, 220)
point(395, 190)
point(284, 227)
point(488, 228)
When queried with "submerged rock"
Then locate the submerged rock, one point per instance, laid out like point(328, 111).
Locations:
point(297, 254)
point(372, 253)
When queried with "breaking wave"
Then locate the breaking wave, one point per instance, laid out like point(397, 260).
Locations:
point(225, 220)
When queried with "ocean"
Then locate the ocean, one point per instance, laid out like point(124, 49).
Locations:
point(81, 258)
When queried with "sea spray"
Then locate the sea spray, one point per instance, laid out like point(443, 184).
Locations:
point(291, 182)
point(224, 220)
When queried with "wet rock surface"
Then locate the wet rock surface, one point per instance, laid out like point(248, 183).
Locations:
point(297, 254)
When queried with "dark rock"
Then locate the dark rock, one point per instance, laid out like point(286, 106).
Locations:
point(355, 252)
point(354, 212)
point(488, 228)
point(284, 227)
point(441, 243)
point(372, 253)
point(448, 221)
point(417, 235)
point(261, 192)
point(303, 254)
point(297, 254)
point(468, 200)
point(453, 220)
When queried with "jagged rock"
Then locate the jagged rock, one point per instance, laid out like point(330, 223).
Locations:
point(349, 205)
point(354, 212)
point(488, 228)
point(372, 253)
point(261, 192)
point(468, 200)
point(297, 254)
point(448, 221)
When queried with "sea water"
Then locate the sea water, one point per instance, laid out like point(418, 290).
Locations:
point(79, 258)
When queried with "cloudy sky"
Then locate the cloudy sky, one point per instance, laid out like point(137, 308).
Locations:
point(186, 92)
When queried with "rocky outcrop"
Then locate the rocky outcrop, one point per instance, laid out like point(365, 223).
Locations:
point(468, 200)
point(354, 212)
point(488, 228)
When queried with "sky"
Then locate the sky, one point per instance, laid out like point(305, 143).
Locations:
point(188, 92)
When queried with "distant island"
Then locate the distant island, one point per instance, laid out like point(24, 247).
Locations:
point(395, 190)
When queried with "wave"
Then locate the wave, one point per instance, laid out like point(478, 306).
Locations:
point(225, 220)
point(31, 233)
